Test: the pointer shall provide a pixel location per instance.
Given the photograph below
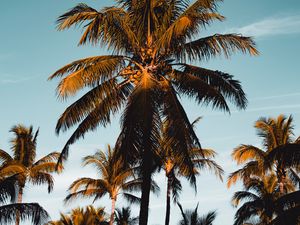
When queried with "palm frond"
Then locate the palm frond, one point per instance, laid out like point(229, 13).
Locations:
point(289, 153)
point(4, 157)
point(8, 189)
point(242, 196)
point(32, 211)
point(99, 115)
point(245, 173)
point(131, 199)
point(196, 88)
point(212, 46)
point(230, 88)
point(39, 178)
point(87, 72)
point(244, 153)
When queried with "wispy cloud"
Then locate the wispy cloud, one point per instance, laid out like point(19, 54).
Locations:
point(271, 26)
point(12, 80)
point(276, 96)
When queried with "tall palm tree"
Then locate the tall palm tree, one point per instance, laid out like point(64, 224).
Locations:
point(82, 216)
point(24, 161)
point(151, 42)
point(277, 136)
point(192, 217)
point(10, 211)
point(260, 200)
point(114, 178)
point(174, 167)
point(123, 217)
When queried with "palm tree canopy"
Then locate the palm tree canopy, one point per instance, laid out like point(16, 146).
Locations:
point(260, 197)
point(191, 217)
point(280, 149)
point(152, 43)
point(123, 217)
point(114, 177)
point(23, 163)
point(82, 216)
point(33, 211)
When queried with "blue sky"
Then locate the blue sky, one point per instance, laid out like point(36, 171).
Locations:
point(31, 49)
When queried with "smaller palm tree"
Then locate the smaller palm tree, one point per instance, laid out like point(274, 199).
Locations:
point(192, 218)
point(115, 178)
point(24, 161)
point(82, 216)
point(123, 217)
point(260, 200)
point(175, 166)
point(279, 153)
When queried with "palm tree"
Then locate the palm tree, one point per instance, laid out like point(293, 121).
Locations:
point(151, 42)
point(82, 216)
point(277, 135)
point(192, 217)
point(114, 179)
point(123, 217)
point(174, 167)
point(23, 161)
point(260, 199)
point(10, 212)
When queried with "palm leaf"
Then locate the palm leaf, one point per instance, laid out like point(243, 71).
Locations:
point(33, 211)
point(211, 46)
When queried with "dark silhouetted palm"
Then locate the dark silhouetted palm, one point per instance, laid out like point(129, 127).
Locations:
point(175, 167)
point(114, 179)
point(151, 43)
point(23, 161)
point(9, 212)
point(260, 199)
point(82, 216)
point(124, 217)
point(278, 153)
point(192, 217)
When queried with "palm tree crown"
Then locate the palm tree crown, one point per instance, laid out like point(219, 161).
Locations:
point(191, 217)
point(123, 217)
point(151, 42)
point(82, 216)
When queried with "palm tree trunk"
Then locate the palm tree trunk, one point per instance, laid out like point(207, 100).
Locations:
point(168, 208)
point(19, 200)
point(281, 176)
point(112, 215)
point(146, 185)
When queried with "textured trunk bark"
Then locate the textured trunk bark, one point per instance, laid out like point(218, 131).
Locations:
point(168, 207)
point(20, 196)
point(146, 185)
point(112, 215)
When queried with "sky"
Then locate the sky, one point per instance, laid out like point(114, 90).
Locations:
point(31, 49)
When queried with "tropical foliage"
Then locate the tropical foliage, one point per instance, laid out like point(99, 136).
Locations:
point(280, 151)
point(82, 216)
point(152, 43)
point(10, 211)
point(174, 167)
point(22, 165)
point(114, 179)
point(124, 217)
point(191, 217)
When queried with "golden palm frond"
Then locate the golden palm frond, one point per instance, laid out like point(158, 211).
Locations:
point(244, 153)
